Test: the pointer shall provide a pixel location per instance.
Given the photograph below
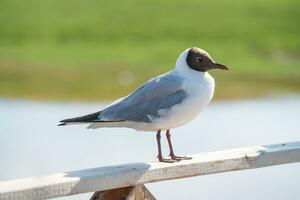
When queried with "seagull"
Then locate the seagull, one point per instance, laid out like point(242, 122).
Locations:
point(167, 101)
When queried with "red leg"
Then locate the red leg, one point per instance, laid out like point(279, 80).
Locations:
point(158, 137)
point(159, 155)
point(171, 149)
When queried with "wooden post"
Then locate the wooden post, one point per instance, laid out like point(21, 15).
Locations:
point(138, 192)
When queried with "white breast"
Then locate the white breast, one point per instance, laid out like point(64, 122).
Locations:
point(200, 89)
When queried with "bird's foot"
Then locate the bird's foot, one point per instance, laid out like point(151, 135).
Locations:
point(178, 158)
point(165, 160)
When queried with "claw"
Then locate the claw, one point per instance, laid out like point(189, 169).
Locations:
point(165, 160)
point(173, 157)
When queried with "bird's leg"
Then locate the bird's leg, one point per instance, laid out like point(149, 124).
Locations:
point(172, 151)
point(159, 155)
point(158, 137)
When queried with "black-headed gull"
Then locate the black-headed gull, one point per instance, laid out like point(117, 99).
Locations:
point(164, 102)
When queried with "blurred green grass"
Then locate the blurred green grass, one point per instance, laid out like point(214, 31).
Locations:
point(63, 49)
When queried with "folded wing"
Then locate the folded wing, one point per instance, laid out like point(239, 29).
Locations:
point(144, 104)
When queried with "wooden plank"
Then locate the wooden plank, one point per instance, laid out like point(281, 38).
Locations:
point(112, 177)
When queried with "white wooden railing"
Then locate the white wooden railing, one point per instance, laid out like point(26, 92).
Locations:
point(116, 182)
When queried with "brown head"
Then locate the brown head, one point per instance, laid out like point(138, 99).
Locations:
point(199, 60)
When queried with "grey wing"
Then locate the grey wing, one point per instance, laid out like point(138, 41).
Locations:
point(144, 104)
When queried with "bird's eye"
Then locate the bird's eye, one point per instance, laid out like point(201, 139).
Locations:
point(199, 59)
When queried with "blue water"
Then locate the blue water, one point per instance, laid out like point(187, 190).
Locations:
point(31, 144)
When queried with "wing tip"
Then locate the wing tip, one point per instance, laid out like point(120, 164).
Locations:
point(62, 123)
point(82, 119)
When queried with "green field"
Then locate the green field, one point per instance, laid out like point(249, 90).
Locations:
point(71, 49)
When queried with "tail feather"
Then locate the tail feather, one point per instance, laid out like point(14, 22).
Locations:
point(62, 124)
point(90, 118)
point(86, 118)
point(102, 124)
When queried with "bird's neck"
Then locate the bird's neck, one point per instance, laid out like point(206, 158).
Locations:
point(183, 70)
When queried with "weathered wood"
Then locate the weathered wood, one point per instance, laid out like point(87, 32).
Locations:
point(138, 192)
point(148, 195)
point(114, 194)
point(112, 177)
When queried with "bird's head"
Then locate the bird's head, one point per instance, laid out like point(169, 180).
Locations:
point(199, 60)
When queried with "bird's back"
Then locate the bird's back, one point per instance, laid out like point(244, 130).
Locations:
point(161, 92)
